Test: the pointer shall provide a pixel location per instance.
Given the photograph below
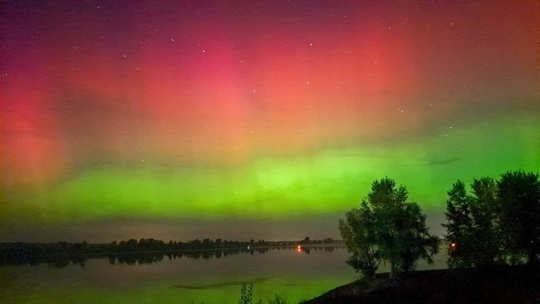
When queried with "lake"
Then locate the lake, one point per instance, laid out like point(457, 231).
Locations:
point(294, 274)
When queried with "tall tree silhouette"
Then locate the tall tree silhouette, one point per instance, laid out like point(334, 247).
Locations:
point(471, 224)
point(387, 228)
point(519, 209)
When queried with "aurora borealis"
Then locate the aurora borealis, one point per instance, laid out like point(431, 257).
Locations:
point(257, 119)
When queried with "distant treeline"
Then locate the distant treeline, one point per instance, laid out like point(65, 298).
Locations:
point(144, 251)
point(197, 244)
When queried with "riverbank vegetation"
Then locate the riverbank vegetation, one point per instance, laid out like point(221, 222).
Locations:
point(493, 237)
point(497, 222)
point(387, 228)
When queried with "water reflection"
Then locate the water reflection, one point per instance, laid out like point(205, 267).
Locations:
point(203, 276)
point(140, 258)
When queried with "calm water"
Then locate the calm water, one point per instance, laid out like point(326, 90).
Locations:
point(292, 274)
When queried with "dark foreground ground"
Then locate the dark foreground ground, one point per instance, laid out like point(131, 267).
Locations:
point(516, 284)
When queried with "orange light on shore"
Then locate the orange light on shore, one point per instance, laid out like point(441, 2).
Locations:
point(299, 248)
point(453, 246)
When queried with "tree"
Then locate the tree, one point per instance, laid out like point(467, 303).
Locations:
point(519, 209)
point(486, 236)
point(358, 232)
point(458, 216)
point(387, 228)
point(471, 224)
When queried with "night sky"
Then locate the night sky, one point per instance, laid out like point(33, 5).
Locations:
point(254, 119)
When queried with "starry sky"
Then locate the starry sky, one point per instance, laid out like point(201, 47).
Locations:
point(254, 119)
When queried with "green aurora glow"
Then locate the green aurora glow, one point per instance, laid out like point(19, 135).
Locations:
point(268, 187)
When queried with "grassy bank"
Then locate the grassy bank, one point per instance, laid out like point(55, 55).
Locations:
point(504, 284)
